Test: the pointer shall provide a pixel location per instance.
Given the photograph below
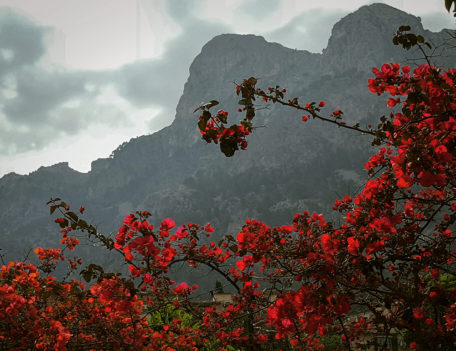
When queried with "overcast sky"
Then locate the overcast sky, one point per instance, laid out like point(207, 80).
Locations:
point(79, 77)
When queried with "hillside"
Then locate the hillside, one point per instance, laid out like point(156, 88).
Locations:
point(289, 166)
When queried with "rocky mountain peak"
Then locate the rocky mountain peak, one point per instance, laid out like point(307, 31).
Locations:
point(288, 168)
point(61, 167)
point(362, 39)
point(229, 58)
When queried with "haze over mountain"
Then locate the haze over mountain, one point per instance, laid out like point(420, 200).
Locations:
point(289, 166)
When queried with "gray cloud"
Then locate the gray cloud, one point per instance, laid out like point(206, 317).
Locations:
point(182, 11)
point(309, 30)
point(39, 105)
point(159, 82)
point(435, 21)
point(21, 41)
point(42, 104)
point(40, 91)
point(258, 9)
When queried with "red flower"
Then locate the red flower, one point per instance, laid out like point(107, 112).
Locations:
point(182, 288)
point(241, 265)
point(393, 102)
point(435, 273)
point(167, 224)
point(353, 245)
point(418, 313)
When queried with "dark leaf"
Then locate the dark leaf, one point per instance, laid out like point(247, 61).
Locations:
point(206, 106)
point(227, 148)
point(64, 223)
point(73, 216)
point(212, 103)
point(250, 113)
point(87, 276)
point(222, 118)
point(83, 224)
point(202, 125)
point(404, 28)
point(207, 116)
point(229, 237)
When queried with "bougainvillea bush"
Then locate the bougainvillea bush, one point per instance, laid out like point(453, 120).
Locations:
point(386, 271)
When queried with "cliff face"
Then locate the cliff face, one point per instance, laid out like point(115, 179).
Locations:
point(288, 167)
point(362, 39)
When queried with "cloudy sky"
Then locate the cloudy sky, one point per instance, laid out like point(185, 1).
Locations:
point(79, 77)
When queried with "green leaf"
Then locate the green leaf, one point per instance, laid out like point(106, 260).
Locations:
point(227, 148)
point(83, 224)
point(73, 216)
point(250, 113)
point(222, 118)
point(212, 103)
point(246, 123)
point(90, 272)
point(206, 116)
point(229, 237)
point(206, 106)
point(202, 125)
point(64, 223)
point(87, 276)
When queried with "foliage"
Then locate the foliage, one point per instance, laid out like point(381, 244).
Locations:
point(449, 4)
point(166, 315)
point(388, 269)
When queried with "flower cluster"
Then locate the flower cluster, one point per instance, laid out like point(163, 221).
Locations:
point(392, 255)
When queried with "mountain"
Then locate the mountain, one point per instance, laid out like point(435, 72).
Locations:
point(289, 166)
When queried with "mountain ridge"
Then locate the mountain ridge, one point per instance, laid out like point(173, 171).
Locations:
point(377, 11)
point(289, 166)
